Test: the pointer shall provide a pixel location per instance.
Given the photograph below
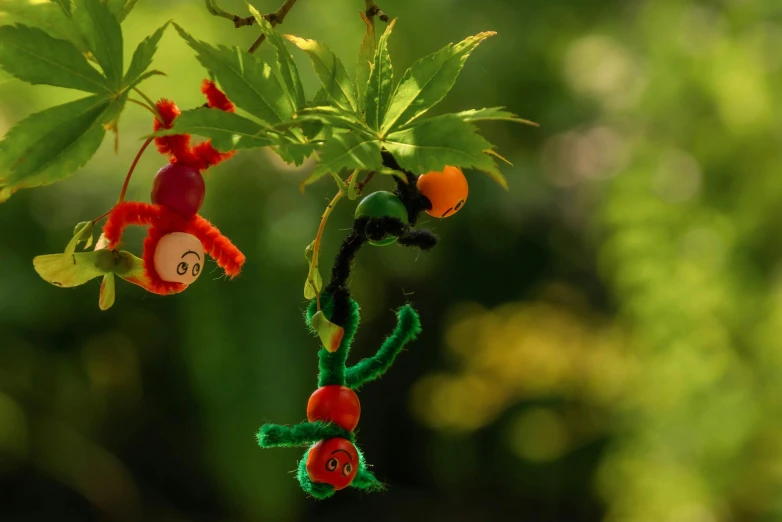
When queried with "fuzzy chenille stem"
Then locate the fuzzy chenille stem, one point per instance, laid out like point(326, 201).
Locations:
point(407, 189)
point(408, 326)
point(303, 434)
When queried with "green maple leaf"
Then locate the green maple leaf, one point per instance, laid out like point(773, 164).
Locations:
point(285, 64)
point(53, 18)
point(434, 143)
point(246, 79)
point(427, 82)
point(103, 35)
point(332, 74)
point(35, 57)
point(380, 83)
point(52, 144)
point(227, 130)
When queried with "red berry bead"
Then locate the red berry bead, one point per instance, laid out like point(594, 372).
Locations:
point(333, 461)
point(446, 191)
point(382, 204)
point(180, 188)
point(335, 403)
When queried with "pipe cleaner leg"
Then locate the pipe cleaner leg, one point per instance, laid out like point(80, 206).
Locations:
point(278, 436)
point(408, 326)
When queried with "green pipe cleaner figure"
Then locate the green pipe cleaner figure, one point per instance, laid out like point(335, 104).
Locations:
point(332, 460)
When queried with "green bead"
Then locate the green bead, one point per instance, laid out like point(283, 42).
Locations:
point(382, 204)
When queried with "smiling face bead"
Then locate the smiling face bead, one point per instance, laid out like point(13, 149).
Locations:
point(333, 461)
point(446, 191)
point(179, 258)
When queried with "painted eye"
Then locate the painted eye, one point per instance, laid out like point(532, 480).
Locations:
point(459, 205)
point(332, 464)
point(346, 469)
point(181, 268)
point(196, 269)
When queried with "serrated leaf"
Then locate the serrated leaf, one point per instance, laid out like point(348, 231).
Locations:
point(330, 116)
point(295, 153)
point(74, 269)
point(330, 334)
point(380, 83)
point(427, 82)
point(227, 130)
point(314, 281)
point(444, 140)
point(492, 114)
point(50, 145)
point(103, 35)
point(143, 77)
point(329, 69)
point(246, 80)
point(347, 151)
point(142, 58)
point(285, 63)
point(35, 57)
point(81, 234)
point(366, 53)
point(50, 17)
point(107, 292)
point(121, 8)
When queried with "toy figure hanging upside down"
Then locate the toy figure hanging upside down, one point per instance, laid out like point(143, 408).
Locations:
point(177, 237)
point(332, 460)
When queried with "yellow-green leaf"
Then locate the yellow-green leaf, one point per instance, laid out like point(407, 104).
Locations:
point(107, 292)
point(380, 82)
point(330, 334)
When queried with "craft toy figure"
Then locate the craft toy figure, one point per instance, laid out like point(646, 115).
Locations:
point(177, 237)
point(332, 461)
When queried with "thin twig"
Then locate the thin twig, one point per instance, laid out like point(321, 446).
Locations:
point(274, 18)
point(360, 186)
point(323, 219)
point(373, 9)
point(132, 168)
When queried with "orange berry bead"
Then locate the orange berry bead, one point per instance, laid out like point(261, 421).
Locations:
point(446, 190)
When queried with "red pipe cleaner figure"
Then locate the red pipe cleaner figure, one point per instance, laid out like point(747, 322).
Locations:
point(178, 237)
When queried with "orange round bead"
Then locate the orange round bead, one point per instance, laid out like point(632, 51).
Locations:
point(446, 190)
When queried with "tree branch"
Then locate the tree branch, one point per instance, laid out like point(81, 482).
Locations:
point(274, 18)
point(373, 9)
point(244, 21)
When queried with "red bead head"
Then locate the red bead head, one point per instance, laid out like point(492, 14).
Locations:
point(333, 461)
point(334, 403)
point(180, 188)
point(446, 191)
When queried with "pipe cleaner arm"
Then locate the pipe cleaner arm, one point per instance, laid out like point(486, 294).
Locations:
point(408, 326)
point(219, 247)
point(302, 434)
point(365, 479)
point(128, 213)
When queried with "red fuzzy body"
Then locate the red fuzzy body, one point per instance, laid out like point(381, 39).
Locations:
point(162, 221)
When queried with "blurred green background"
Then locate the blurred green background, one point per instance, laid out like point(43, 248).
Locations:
point(602, 342)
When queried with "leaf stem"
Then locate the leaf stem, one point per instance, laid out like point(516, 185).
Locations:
point(151, 104)
point(274, 18)
point(132, 168)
